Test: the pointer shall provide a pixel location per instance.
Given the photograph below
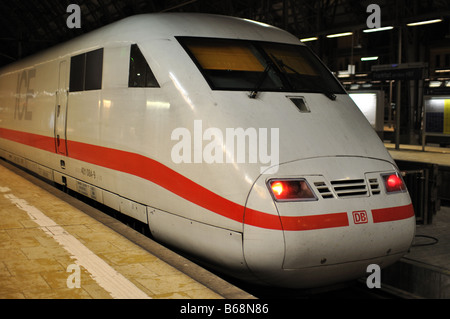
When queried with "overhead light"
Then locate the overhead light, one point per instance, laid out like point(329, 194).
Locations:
point(442, 71)
point(435, 84)
point(423, 22)
point(309, 39)
point(343, 74)
point(369, 58)
point(337, 35)
point(378, 29)
point(447, 84)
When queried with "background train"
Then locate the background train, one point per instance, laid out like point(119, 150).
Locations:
point(228, 137)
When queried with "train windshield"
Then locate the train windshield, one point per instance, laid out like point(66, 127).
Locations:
point(259, 66)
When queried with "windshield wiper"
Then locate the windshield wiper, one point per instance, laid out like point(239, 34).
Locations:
point(261, 80)
point(328, 94)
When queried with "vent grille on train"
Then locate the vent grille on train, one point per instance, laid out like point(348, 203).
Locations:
point(324, 190)
point(350, 188)
point(374, 186)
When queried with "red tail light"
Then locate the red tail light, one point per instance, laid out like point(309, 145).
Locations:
point(277, 188)
point(393, 183)
point(291, 190)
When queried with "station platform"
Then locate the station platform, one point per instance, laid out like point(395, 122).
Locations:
point(413, 153)
point(53, 248)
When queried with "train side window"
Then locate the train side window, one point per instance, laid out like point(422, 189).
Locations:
point(94, 70)
point(77, 67)
point(140, 73)
point(86, 71)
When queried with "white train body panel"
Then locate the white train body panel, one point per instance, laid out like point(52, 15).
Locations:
point(115, 144)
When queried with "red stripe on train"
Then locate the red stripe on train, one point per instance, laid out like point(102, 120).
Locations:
point(392, 213)
point(144, 167)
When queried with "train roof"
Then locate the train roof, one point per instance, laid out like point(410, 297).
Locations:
point(147, 27)
point(209, 25)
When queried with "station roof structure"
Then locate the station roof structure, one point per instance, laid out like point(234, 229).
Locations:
point(30, 26)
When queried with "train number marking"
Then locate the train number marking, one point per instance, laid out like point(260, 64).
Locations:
point(360, 217)
point(88, 172)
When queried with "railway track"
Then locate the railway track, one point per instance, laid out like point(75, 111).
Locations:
point(354, 290)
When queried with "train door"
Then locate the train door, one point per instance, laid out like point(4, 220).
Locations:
point(61, 110)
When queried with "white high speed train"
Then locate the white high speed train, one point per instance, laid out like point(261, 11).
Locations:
point(228, 137)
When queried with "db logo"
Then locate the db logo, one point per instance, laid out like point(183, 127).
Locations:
point(360, 217)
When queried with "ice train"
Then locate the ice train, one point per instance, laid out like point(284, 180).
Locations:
point(228, 137)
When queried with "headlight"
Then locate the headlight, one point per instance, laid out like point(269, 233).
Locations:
point(291, 190)
point(393, 183)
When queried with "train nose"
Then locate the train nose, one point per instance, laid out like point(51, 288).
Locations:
point(345, 221)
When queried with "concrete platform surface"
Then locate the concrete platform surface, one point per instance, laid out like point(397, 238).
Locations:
point(50, 249)
point(414, 153)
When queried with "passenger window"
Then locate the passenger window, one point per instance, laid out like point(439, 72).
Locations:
point(77, 67)
point(140, 73)
point(86, 71)
point(94, 69)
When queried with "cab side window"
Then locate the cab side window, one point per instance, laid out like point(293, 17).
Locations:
point(140, 74)
point(86, 71)
point(94, 70)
